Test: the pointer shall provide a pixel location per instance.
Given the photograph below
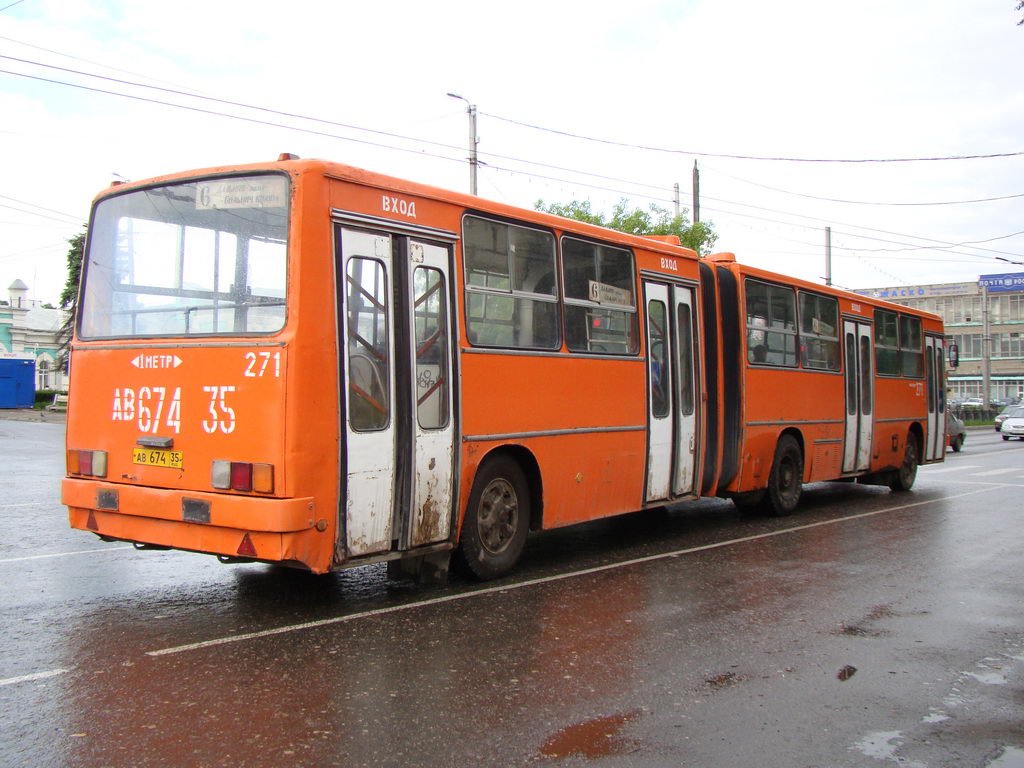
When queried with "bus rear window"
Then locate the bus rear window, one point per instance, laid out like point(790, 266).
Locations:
point(204, 258)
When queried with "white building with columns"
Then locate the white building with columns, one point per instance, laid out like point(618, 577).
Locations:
point(28, 331)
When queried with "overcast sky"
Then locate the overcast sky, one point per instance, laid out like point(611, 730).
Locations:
point(705, 79)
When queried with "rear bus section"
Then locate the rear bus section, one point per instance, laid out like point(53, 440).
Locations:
point(176, 426)
point(829, 385)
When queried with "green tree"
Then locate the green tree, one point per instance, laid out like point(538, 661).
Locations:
point(69, 296)
point(654, 220)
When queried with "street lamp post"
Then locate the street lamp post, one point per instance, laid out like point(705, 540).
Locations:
point(471, 111)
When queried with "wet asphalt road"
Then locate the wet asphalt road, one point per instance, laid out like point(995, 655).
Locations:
point(869, 629)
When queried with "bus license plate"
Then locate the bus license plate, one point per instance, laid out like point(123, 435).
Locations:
point(153, 458)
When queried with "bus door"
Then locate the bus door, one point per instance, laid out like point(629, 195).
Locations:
point(936, 383)
point(671, 412)
point(860, 362)
point(396, 349)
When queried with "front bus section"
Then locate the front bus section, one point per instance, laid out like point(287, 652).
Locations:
point(177, 433)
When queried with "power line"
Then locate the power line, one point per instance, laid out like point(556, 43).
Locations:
point(856, 226)
point(324, 121)
point(850, 234)
point(694, 153)
point(318, 133)
point(224, 114)
point(79, 58)
point(858, 202)
point(33, 205)
point(34, 213)
point(855, 252)
point(422, 152)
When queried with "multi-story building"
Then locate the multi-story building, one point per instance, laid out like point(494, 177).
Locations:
point(28, 331)
point(962, 307)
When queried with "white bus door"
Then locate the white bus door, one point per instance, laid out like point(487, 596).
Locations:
point(936, 382)
point(860, 391)
point(430, 396)
point(671, 412)
point(398, 454)
point(686, 389)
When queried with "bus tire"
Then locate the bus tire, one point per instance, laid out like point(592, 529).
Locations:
point(497, 519)
point(786, 481)
point(903, 478)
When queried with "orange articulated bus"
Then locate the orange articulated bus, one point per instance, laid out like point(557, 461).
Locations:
point(304, 363)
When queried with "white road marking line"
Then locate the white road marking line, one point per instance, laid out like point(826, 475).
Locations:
point(997, 472)
point(61, 554)
point(34, 676)
point(543, 580)
point(930, 471)
point(993, 483)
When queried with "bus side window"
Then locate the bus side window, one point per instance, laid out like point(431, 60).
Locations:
point(771, 324)
point(911, 340)
point(600, 304)
point(819, 331)
point(511, 286)
point(887, 347)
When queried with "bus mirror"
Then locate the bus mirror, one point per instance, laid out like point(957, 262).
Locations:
point(953, 355)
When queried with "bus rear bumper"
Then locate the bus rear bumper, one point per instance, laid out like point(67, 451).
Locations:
point(220, 524)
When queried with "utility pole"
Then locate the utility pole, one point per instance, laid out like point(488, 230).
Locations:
point(675, 197)
point(473, 141)
point(696, 194)
point(986, 347)
point(828, 255)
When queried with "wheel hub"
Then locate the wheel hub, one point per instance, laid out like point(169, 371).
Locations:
point(499, 508)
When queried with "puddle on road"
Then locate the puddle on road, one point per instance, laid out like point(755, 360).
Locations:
point(594, 738)
point(882, 745)
point(1010, 758)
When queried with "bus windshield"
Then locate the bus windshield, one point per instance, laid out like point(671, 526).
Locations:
point(201, 258)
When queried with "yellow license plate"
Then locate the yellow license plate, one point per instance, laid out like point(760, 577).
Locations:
point(153, 458)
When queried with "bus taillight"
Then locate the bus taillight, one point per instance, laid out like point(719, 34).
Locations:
point(87, 463)
point(243, 476)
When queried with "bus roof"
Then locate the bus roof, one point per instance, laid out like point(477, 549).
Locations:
point(657, 243)
point(299, 167)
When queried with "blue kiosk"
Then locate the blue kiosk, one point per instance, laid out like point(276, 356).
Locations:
point(17, 383)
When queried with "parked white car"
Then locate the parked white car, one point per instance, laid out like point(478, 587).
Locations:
point(1013, 424)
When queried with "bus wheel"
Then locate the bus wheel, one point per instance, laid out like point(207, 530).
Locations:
point(497, 519)
point(785, 483)
point(903, 479)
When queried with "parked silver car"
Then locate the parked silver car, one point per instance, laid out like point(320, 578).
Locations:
point(1001, 416)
